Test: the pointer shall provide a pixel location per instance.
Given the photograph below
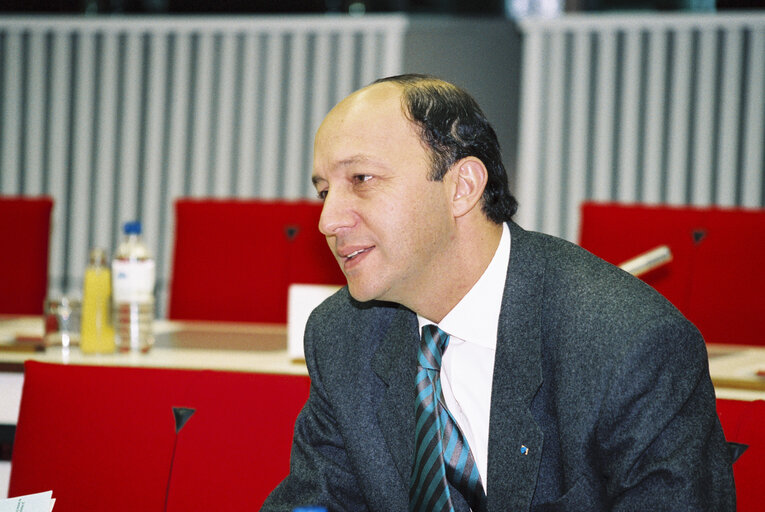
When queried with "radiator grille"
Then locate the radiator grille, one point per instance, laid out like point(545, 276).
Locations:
point(116, 118)
point(650, 109)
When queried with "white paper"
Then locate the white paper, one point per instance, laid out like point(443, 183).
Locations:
point(301, 301)
point(40, 502)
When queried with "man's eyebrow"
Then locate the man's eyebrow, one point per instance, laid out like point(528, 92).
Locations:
point(316, 180)
point(354, 160)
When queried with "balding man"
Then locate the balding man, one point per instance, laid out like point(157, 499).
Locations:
point(470, 364)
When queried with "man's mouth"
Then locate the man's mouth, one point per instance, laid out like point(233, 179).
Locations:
point(357, 252)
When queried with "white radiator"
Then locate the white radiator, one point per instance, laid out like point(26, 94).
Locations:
point(116, 117)
point(663, 109)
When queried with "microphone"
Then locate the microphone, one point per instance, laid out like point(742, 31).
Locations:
point(181, 415)
point(647, 261)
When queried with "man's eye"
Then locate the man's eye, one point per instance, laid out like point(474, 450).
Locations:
point(322, 194)
point(361, 178)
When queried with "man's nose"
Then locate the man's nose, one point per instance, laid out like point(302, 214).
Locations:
point(336, 214)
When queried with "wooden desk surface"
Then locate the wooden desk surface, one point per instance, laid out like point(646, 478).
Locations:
point(191, 345)
point(263, 348)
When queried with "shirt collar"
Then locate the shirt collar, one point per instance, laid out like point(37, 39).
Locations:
point(475, 318)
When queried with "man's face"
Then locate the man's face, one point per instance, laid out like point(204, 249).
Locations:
point(388, 226)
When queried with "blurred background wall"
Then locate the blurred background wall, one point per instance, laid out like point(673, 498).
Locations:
point(116, 116)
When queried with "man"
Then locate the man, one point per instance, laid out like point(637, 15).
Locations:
point(573, 385)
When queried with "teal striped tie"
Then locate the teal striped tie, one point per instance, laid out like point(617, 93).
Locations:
point(441, 452)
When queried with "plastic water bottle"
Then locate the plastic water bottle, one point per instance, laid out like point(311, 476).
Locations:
point(133, 276)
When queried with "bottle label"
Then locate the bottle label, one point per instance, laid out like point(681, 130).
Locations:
point(133, 280)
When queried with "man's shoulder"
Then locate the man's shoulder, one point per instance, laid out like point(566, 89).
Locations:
point(579, 284)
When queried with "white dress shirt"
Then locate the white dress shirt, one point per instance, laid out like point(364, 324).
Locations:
point(467, 367)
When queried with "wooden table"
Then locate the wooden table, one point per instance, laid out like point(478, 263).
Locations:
point(263, 348)
point(258, 348)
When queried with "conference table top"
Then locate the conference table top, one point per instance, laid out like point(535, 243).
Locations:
point(737, 371)
point(260, 348)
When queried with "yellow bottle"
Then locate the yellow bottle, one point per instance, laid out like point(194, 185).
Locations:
point(96, 329)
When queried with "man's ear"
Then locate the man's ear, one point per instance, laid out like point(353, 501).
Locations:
point(470, 177)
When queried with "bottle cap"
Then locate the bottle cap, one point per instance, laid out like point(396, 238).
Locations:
point(133, 227)
point(97, 257)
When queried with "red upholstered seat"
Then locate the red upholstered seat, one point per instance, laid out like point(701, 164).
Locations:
point(717, 275)
point(744, 422)
point(103, 438)
point(235, 259)
point(25, 231)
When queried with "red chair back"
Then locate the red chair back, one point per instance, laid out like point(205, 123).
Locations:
point(717, 275)
point(103, 438)
point(234, 259)
point(744, 422)
point(25, 228)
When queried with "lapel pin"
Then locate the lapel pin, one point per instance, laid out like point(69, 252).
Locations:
point(524, 450)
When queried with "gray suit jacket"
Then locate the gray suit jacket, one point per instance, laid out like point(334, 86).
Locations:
point(604, 382)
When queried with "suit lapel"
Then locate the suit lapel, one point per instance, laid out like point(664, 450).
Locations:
point(515, 439)
point(394, 363)
point(512, 475)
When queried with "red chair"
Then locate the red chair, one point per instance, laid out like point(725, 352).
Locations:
point(716, 276)
point(234, 259)
point(104, 438)
point(744, 422)
point(25, 226)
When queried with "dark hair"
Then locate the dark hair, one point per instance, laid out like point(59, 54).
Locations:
point(454, 127)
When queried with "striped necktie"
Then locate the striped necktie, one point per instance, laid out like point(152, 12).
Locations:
point(441, 452)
